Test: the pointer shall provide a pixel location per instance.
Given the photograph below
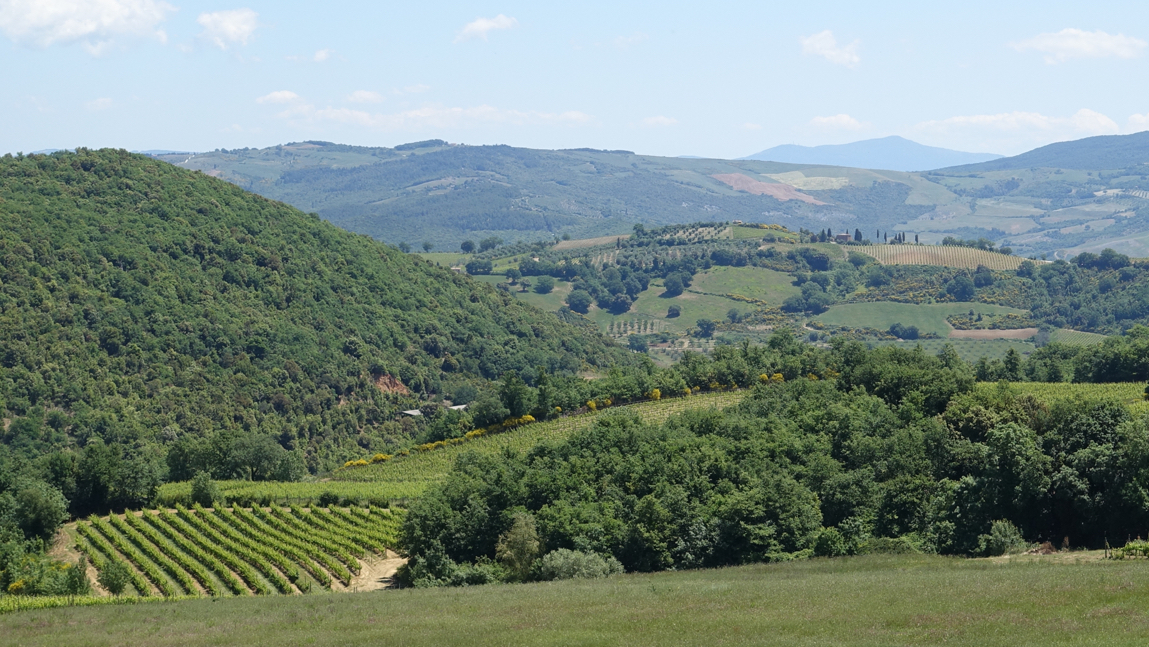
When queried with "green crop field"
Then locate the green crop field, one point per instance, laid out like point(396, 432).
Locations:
point(754, 282)
point(1076, 337)
point(970, 350)
point(928, 317)
point(301, 492)
point(1131, 393)
point(870, 601)
point(236, 551)
point(425, 468)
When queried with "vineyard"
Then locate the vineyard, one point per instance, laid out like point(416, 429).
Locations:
point(260, 551)
point(944, 256)
point(1131, 393)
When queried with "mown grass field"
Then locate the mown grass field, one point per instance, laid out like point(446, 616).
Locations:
point(928, 317)
point(874, 600)
point(754, 282)
point(944, 256)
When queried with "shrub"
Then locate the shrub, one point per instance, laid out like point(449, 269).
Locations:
point(830, 543)
point(204, 491)
point(518, 547)
point(673, 311)
point(115, 576)
point(1003, 538)
point(564, 564)
point(328, 499)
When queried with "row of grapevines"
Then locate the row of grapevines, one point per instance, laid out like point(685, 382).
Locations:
point(276, 518)
point(239, 557)
point(313, 525)
point(181, 524)
point(246, 523)
point(378, 533)
point(177, 560)
point(273, 527)
point(127, 550)
point(367, 536)
point(101, 545)
point(242, 544)
point(203, 557)
point(154, 553)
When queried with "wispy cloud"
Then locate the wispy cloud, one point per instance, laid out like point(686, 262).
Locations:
point(825, 45)
point(1137, 123)
point(322, 55)
point(626, 42)
point(95, 24)
point(365, 96)
point(1014, 131)
point(837, 122)
point(432, 117)
point(226, 28)
point(279, 96)
point(659, 121)
point(751, 126)
point(479, 27)
point(103, 103)
point(1074, 43)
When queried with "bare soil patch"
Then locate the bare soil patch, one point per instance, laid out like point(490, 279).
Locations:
point(376, 573)
point(1017, 333)
point(389, 384)
point(740, 182)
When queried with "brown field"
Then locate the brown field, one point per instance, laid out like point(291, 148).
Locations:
point(590, 242)
point(1017, 333)
point(946, 256)
point(740, 182)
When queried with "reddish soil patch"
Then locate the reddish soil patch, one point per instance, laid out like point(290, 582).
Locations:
point(740, 182)
point(1018, 333)
point(389, 384)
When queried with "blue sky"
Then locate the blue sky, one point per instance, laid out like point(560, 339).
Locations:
point(666, 78)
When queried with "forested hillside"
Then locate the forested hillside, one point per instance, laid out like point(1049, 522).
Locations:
point(155, 322)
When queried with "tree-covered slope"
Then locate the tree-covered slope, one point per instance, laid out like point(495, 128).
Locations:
point(1104, 152)
point(161, 312)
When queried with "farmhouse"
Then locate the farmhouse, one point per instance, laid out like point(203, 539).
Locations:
point(843, 238)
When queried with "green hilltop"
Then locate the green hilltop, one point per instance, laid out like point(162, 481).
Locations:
point(159, 312)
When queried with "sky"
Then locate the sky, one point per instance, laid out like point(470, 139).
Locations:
point(718, 79)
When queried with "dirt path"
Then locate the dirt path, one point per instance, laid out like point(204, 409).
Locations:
point(64, 549)
point(377, 573)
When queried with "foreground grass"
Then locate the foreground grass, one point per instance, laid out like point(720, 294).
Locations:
point(858, 601)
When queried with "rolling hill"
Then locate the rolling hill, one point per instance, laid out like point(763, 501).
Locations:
point(894, 153)
point(163, 313)
point(1104, 152)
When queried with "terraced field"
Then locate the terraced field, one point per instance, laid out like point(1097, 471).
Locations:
point(945, 256)
point(237, 551)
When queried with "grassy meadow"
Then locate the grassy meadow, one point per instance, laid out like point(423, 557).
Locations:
point(872, 600)
point(928, 317)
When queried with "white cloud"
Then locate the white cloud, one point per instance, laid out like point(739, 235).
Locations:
point(102, 103)
point(1014, 132)
point(1074, 43)
point(825, 45)
point(94, 23)
point(279, 96)
point(225, 28)
point(626, 42)
point(659, 120)
point(837, 122)
point(479, 27)
point(323, 55)
point(1137, 123)
point(751, 126)
point(436, 117)
point(365, 96)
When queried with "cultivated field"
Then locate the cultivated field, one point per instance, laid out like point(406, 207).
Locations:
point(944, 256)
point(298, 492)
point(1076, 337)
point(928, 317)
point(917, 600)
point(990, 333)
point(1131, 393)
point(589, 242)
point(237, 551)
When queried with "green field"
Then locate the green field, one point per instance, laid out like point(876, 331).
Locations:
point(1076, 337)
point(754, 282)
point(1131, 393)
point(928, 317)
point(970, 350)
point(874, 600)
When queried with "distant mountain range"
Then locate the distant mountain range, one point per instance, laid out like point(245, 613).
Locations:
point(1106, 152)
point(889, 153)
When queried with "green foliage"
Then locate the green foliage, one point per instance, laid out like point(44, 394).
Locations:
point(204, 490)
point(518, 547)
point(115, 577)
point(566, 564)
point(1003, 538)
point(169, 323)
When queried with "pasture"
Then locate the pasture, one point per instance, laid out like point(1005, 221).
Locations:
point(928, 317)
point(875, 600)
